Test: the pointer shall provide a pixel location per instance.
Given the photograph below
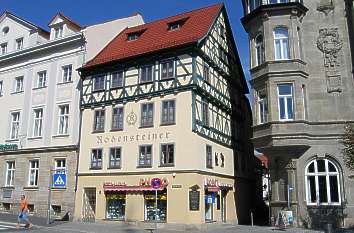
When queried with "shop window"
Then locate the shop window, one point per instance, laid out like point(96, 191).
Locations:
point(6, 206)
point(167, 154)
point(56, 209)
point(322, 183)
point(150, 202)
point(115, 206)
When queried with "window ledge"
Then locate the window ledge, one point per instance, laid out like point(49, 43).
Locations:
point(16, 92)
point(168, 124)
point(166, 79)
point(58, 189)
point(61, 136)
point(8, 187)
point(166, 165)
point(64, 83)
point(38, 88)
point(115, 130)
point(34, 138)
point(117, 88)
point(98, 131)
point(147, 82)
point(95, 168)
point(144, 166)
point(209, 167)
point(31, 188)
point(98, 90)
point(146, 126)
point(110, 168)
point(12, 140)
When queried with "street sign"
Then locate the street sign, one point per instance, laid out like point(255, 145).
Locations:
point(156, 183)
point(59, 180)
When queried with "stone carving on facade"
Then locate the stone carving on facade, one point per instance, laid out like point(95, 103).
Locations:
point(131, 118)
point(329, 43)
point(291, 165)
point(325, 6)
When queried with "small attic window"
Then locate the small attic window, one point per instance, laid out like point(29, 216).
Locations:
point(132, 36)
point(5, 30)
point(174, 26)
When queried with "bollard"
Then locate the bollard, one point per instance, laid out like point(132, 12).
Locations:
point(328, 228)
point(251, 218)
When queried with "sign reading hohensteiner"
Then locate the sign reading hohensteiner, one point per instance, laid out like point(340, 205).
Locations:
point(133, 138)
point(8, 147)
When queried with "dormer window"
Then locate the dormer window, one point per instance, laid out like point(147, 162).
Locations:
point(58, 32)
point(174, 26)
point(133, 36)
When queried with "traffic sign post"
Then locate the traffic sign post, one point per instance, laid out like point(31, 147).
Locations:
point(57, 179)
point(156, 184)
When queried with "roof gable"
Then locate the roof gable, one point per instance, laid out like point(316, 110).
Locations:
point(60, 18)
point(156, 36)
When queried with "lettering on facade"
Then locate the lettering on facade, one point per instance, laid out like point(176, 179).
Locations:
point(216, 183)
point(8, 147)
point(176, 186)
point(147, 182)
point(133, 138)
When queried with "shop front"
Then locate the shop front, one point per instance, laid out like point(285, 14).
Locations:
point(115, 203)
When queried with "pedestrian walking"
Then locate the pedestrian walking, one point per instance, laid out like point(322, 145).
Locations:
point(23, 215)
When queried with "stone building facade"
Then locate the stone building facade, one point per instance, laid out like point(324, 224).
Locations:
point(301, 68)
point(39, 99)
point(165, 101)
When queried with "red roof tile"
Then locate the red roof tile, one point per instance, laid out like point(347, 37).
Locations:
point(155, 36)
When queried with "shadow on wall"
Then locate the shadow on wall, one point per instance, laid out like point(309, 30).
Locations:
point(243, 200)
point(319, 217)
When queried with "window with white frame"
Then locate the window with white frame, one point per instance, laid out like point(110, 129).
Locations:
point(117, 79)
point(117, 118)
point(10, 173)
point(146, 74)
point(281, 43)
point(33, 173)
point(206, 72)
point(168, 112)
point(147, 115)
point(60, 166)
point(37, 122)
point(96, 158)
point(115, 157)
point(58, 32)
point(19, 43)
point(285, 102)
point(259, 50)
point(42, 79)
point(1, 88)
point(145, 155)
point(18, 87)
point(322, 179)
point(262, 107)
point(63, 119)
point(98, 124)
point(167, 155)
point(99, 82)
point(3, 48)
point(167, 69)
point(67, 73)
point(15, 125)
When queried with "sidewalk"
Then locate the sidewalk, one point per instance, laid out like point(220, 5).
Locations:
point(36, 221)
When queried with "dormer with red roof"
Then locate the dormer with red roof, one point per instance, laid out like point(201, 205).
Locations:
point(61, 26)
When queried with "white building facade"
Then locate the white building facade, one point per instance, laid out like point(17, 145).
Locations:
point(39, 99)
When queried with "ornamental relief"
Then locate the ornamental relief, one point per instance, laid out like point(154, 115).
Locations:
point(329, 43)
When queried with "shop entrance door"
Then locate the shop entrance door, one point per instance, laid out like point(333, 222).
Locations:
point(208, 206)
point(89, 205)
point(223, 206)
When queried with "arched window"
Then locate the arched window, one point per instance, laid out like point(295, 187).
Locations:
point(259, 50)
point(322, 183)
point(281, 43)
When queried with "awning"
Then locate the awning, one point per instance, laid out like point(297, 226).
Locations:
point(129, 188)
point(213, 188)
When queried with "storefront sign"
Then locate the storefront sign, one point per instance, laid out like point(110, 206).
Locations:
point(213, 185)
point(8, 147)
point(194, 200)
point(133, 138)
point(176, 186)
point(144, 185)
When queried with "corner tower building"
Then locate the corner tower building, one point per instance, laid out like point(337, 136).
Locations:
point(302, 97)
point(164, 100)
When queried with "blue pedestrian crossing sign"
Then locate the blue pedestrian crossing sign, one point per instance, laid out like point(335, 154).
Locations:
point(59, 180)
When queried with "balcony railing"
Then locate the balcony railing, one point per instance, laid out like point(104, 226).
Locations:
point(254, 4)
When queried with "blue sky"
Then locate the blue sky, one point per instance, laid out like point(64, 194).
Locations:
point(86, 12)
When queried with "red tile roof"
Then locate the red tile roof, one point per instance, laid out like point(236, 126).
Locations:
point(155, 36)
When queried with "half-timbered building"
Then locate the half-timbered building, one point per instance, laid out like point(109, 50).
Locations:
point(164, 108)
